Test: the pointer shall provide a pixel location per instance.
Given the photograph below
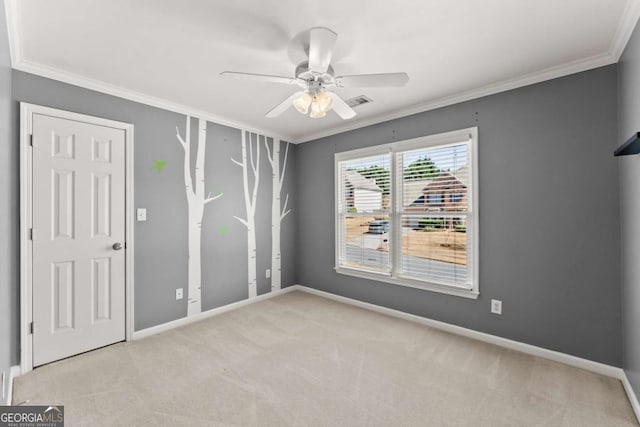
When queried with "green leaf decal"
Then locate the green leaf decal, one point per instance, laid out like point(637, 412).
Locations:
point(159, 165)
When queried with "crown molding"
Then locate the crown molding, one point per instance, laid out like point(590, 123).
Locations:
point(623, 33)
point(120, 92)
point(11, 15)
point(626, 25)
point(491, 89)
point(19, 63)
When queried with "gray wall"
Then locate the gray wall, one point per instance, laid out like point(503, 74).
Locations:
point(549, 235)
point(629, 123)
point(9, 209)
point(548, 211)
point(161, 241)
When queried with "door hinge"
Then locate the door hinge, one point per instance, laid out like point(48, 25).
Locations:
point(31, 234)
point(31, 328)
point(31, 140)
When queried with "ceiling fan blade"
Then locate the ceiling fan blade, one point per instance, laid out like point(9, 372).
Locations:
point(260, 77)
point(373, 80)
point(321, 42)
point(282, 107)
point(341, 108)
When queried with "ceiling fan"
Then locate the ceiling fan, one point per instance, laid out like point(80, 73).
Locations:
point(316, 75)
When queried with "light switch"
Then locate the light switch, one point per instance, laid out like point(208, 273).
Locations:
point(142, 214)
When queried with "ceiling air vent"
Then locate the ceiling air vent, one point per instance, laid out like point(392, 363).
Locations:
point(358, 100)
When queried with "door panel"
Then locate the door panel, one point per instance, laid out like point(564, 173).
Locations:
point(63, 287)
point(101, 195)
point(63, 202)
point(78, 215)
point(101, 287)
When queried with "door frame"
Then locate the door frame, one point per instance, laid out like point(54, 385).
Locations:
point(27, 111)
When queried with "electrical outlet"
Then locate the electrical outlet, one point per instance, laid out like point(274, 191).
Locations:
point(179, 293)
point(141, 214)
point(268, 274)
point(496, 306)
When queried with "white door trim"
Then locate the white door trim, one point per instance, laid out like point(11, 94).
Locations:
point(26, 221)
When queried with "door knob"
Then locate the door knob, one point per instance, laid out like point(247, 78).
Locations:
point(117, 246)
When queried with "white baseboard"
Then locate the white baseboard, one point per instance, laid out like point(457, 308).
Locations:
point(589, 365)
point(209, 313)
point(631, 395)
point(12, 373)
point(556, 356)
point(567, 359)
point(578, 362)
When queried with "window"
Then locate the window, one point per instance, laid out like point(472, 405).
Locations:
point(435, 199)
point(407, 213)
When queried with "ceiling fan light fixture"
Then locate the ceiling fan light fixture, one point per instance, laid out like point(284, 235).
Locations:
point(317, 105)
point(323, 101)
point(317, 109)
point(316, 75)
point(317, 114)
point(302, 103)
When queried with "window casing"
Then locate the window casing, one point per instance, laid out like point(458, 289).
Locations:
point(415, 222)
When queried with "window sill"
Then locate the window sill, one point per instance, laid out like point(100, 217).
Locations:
point(433, 287)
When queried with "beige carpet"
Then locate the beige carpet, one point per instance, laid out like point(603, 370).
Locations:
point(302, 360)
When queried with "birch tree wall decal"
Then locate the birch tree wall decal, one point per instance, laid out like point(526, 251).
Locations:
point(277, 212)
point(250, 205)
point(196, 202)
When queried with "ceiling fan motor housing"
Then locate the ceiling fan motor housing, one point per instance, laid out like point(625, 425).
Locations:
point(313, 81)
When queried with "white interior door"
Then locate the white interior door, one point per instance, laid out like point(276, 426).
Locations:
point(78, 225)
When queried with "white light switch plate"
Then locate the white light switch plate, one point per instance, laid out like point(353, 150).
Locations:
point(268, 273)
point(141, 214)
point(179, 293)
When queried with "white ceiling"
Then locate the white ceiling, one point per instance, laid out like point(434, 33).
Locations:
point(170, 52)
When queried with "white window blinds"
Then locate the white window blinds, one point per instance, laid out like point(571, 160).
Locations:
point(364, 206)
point(405, 212)
point(433, 215)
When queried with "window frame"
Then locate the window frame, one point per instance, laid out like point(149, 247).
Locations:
point(455, 137)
